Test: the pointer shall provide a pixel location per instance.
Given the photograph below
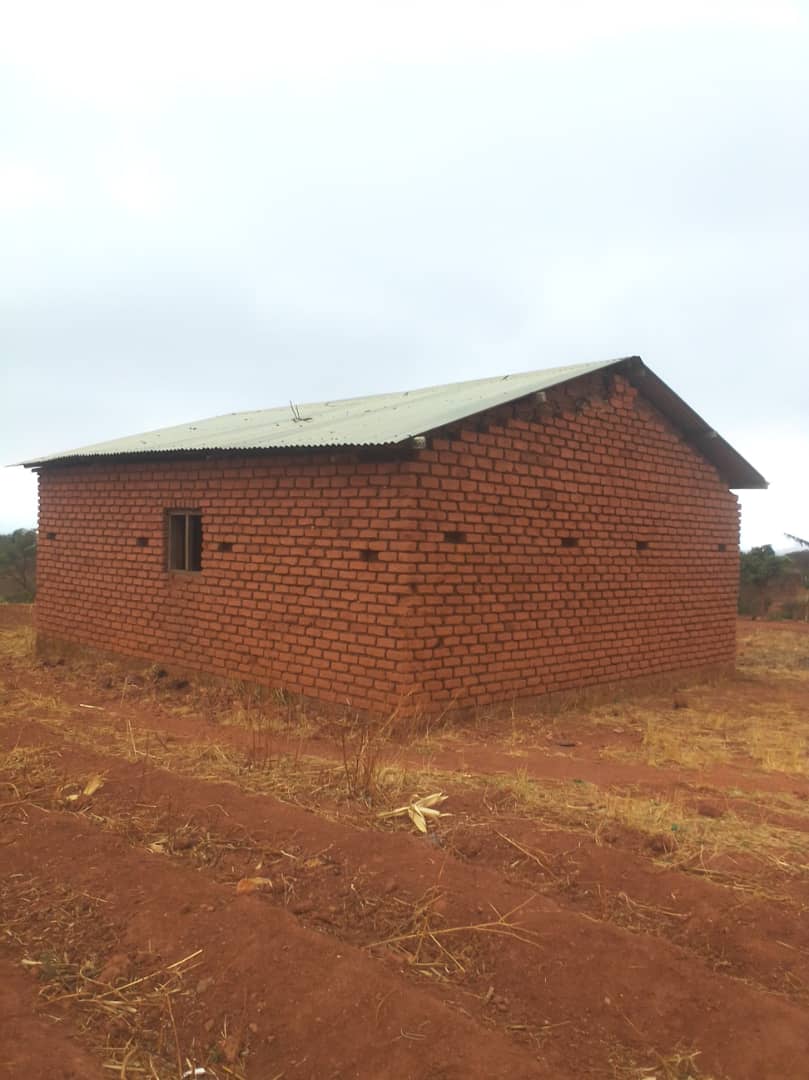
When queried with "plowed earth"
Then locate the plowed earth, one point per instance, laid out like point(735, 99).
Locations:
point(199, 882)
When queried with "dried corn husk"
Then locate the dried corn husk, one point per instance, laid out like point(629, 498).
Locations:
point(421, 811)
point(94, 784)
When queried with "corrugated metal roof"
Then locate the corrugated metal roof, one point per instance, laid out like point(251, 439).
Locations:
point(388, 419)
point(366, 421)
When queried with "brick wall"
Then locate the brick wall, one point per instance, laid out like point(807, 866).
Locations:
point(504, 559)
point(574, 543)
point(292, 604)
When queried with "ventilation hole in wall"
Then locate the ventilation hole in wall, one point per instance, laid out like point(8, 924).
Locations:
point(721, 547)
point(50, 536)
point(570, 541)
point(455, 537)
point(368, 555)
point(224, 545)
point(141, 541)
point(642, 545)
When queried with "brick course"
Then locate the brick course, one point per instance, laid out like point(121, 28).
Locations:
point(505, 559)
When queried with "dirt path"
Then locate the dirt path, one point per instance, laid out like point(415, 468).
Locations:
point(587, 757)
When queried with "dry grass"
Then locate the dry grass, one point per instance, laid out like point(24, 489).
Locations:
point(62, 936)
point(680, 1065)
point(681, 835)
point(420, 937)
point(245, 705)
point(676, 833)
point(17, 644)
point(362, 780)
point(34, 705)
point(365, 747)
point(774, 737)
point(782, 653)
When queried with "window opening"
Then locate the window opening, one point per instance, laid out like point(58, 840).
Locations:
point(185, 541)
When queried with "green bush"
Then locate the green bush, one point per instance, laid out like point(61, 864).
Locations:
point(18, 566)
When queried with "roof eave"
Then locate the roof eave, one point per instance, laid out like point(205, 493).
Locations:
point(734, 470)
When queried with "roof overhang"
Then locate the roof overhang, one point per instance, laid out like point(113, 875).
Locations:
point(734, 470)
point(391, 420)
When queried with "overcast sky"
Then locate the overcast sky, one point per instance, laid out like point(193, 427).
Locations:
point(213, 207)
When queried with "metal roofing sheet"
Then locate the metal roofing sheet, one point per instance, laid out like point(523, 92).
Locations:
point(387, 419)
point(366, 421)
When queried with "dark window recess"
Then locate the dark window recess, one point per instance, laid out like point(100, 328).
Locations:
point(368, 555)
point(141, 541)
point(721, 547)
point(50, 536)
point(185, 541)
point(570, 541)
point(642, 545)
point(455, 537)
point(224, 545)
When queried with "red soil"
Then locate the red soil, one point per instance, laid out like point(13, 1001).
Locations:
point(614, 957)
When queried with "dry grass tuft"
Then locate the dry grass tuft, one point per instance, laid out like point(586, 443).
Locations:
point(365, 747)
point(18, 643)
point(431, 948)
point(64, 939)
point(362, 779)
point(677, 1065)
point(782, 653)
point(671, 830)
point(774, 736)
point(26, 773)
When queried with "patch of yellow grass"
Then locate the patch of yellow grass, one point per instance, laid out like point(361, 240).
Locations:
point(783, 653)
point(302, 779)
point(775, 737)
point(18, 644)
point(688, 835)
point(27, 702)
point(674, 1066)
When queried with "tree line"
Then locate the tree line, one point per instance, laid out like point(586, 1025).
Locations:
point(765, 577)
point(18, 563)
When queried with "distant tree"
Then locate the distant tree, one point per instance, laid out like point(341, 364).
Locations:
point(18, 563)
point(760, 568)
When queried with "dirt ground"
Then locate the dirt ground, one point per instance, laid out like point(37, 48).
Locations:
point(209, 881)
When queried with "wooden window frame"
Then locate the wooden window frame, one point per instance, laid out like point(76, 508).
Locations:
point(184, 552)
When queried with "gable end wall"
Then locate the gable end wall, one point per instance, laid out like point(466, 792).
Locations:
point(509, 611)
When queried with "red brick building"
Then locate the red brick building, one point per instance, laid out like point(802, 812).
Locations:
point(475, 543)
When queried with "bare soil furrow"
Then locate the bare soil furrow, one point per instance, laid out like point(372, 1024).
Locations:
point(297, 1003)
point(36, 1046)
point(566, 969)
point(197, 875)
